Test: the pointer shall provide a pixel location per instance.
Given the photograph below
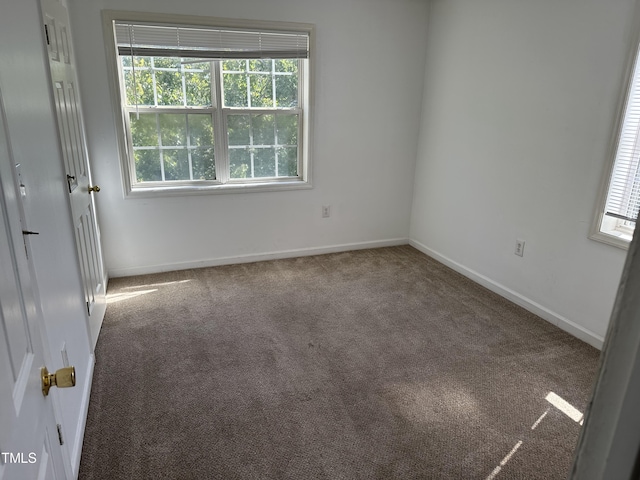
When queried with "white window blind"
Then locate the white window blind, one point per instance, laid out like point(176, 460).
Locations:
point(623, 199)
point(207, 42)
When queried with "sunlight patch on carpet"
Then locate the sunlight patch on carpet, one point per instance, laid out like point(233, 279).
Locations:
point(162, 284)
point(423, 404)
point(119, 297)
point(565, 407)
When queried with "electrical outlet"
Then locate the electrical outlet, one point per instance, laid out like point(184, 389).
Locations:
point(519, 248)
point(326, 211)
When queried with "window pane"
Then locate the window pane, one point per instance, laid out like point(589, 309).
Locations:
point(200, 130)
point(261, 85)
point(166, 62)
point(235, 90)
point(196, 64)
point(143, 88)
point(203, 164)
point(198, 88)
point(260, 65)
point(261, 90)
point(238, 129)
point(147, 165)
point(239, 163)
point(264, 162)
point(287, 65)
point(287, 129)
point(176, 164)
point(287, 91)
point(173, 129)
point(169, 73)
point(169, 88)
point(201, 135)
point(234, 65)
point(287, 161)
point(144, 130)
point(263, 129)
point(142, 62)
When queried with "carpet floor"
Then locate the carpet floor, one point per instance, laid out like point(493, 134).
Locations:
point(372, 364)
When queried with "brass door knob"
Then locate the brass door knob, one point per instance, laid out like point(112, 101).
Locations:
point(95, 188)
point(63, 378)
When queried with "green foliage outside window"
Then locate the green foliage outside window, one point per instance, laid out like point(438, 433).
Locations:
point(253, 80)
point(167, 75)
point(179, 145)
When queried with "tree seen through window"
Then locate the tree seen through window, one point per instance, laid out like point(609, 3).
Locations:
point(171, 105)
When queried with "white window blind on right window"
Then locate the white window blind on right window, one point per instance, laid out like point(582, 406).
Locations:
point(623, 198)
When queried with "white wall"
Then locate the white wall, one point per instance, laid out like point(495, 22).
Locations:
point(24, 81)
point(519, 102)
point(368, 99)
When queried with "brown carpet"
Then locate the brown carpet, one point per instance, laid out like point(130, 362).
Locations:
point(373, 364)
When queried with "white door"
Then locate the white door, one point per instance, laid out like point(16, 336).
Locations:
point(72, 138)
point(29, 444)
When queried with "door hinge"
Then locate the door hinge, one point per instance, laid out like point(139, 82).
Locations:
point(46, 33)
point(60, 434)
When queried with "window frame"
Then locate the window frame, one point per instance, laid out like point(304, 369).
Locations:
point(222, 183)
point(607, 229)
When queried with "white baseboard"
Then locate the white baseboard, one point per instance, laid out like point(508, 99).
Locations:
point(515, 297)
point(250, 258)
point(84, 410)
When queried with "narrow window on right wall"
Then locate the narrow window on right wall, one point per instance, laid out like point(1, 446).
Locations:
point(620, 202)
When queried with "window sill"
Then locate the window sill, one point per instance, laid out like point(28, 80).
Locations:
point(614, 238)
point(184, 190)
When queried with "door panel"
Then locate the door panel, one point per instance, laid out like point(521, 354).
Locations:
point(86, 253)
point(46, 469)
point(11, 317)
point(26, 415)
point(77, 137)
point(74, 150)
point(63, 125)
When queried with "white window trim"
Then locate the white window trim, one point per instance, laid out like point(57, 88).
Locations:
point(618, 235)
point(250, 185)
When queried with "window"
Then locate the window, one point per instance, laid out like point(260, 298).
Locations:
point(209, 105)
point(620, 201)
